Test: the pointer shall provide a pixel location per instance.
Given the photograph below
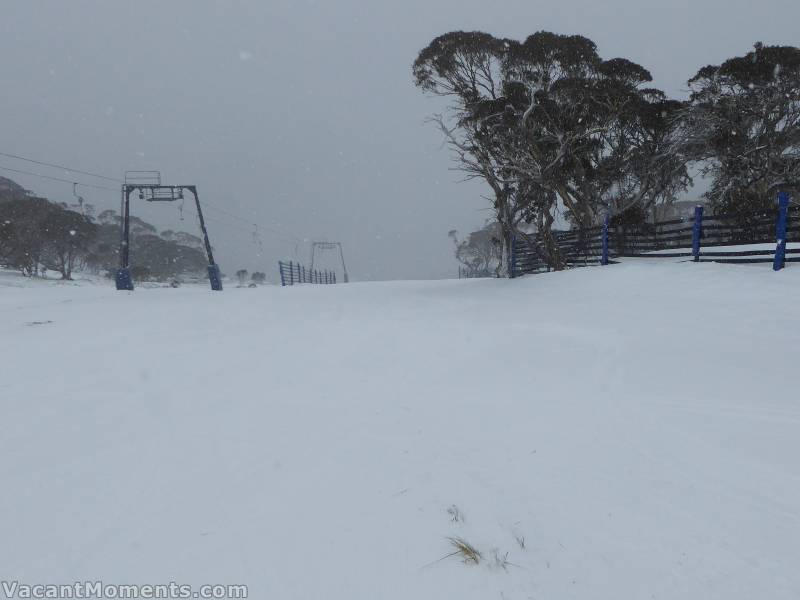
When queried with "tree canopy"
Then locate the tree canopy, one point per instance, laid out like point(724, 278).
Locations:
point(742, 124)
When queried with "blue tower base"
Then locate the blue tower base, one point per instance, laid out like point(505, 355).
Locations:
point(124, 281)
point(215, 278)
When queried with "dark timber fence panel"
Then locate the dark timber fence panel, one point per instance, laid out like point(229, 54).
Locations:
point(293, 273)
point(703, 238)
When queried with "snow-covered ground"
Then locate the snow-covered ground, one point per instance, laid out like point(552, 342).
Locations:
point(630, 431)
point(768, 249)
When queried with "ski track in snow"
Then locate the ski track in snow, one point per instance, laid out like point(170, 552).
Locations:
point(637, 424)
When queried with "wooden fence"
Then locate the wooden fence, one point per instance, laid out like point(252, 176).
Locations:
point(294, 273)
point(757, 237)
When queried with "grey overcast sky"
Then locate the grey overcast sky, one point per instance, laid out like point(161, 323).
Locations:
point(301, 115)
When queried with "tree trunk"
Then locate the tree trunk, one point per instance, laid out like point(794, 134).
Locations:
point(552, 251)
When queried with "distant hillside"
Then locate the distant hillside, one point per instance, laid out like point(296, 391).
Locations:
point(10, 190)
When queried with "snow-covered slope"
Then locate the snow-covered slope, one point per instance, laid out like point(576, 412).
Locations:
point(635, 427)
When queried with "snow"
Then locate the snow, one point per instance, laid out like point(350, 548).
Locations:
point(769, 249)
point(636, 424)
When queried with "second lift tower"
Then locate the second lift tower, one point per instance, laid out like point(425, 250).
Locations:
point(329, 246)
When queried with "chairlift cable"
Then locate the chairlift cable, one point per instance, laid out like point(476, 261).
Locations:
point(55, 166)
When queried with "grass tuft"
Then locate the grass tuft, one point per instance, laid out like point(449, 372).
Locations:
point(466, 550)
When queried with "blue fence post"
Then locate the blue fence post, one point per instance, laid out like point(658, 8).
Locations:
point(697, 232)
point(280, 270)
point(604, 257)
point(780, 231)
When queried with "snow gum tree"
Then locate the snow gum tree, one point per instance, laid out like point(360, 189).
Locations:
point(69, 236)
point(480, 251)
point(553, 129)
point(742, 126)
